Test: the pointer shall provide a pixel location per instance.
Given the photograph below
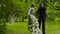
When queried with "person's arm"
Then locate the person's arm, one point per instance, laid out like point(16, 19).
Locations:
point(37, 12)
point(29, 11)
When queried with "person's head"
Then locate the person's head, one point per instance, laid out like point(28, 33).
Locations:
point(32, 5)
point(42, 4)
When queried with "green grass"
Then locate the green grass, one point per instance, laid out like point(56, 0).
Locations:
point(22, 28)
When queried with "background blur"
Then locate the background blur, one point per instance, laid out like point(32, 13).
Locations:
point(14, 18)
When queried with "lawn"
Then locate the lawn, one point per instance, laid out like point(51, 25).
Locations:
point(21, 28)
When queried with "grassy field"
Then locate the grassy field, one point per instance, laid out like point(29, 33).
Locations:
point(21, 28)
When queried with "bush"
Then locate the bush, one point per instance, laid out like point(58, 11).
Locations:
point(2, 26)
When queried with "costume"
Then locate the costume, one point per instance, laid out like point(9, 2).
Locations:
point(33, 24)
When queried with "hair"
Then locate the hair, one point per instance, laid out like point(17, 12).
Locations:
point(32, 5)
point(41, 4)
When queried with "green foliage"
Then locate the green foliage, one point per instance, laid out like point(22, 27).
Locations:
point(19, 8)
point(2, 26)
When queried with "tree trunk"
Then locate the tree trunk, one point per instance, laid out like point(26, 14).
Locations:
point(12, 19)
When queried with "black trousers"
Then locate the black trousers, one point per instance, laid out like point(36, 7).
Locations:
point(42, 20)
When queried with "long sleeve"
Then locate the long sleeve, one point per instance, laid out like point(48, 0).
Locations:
point(29, 11)
point(38, 11)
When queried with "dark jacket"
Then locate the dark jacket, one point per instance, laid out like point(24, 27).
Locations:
point(41, 12)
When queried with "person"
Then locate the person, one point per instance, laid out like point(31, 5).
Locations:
point(42, 16)
point(31, 11)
